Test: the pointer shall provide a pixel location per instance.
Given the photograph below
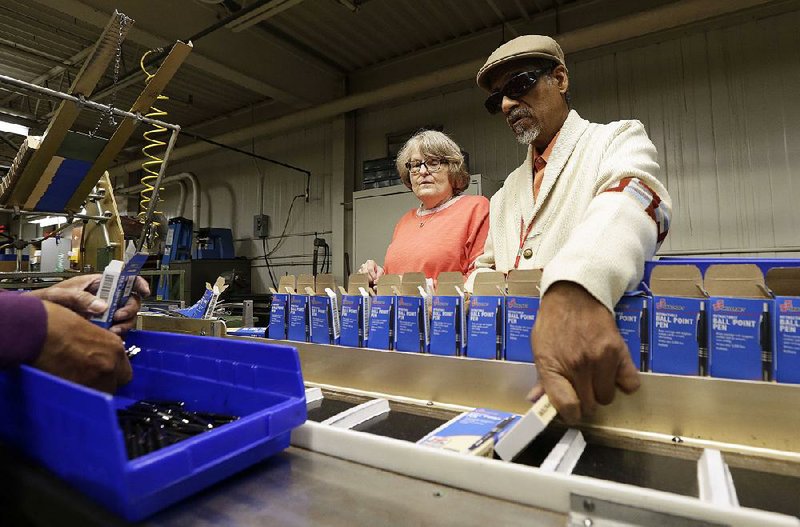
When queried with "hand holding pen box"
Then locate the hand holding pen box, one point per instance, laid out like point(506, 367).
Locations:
point(581, 358)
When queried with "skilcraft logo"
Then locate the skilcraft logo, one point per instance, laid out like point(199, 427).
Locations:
point(719, 305)
point(663, 306)
point(788, 307)
point(515, 303)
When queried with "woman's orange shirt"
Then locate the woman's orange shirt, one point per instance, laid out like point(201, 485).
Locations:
point(447, 240)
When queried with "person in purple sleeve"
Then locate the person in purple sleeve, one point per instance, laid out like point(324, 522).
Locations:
point(48, 329)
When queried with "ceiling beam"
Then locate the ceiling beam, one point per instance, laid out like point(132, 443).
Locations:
point(237, 67)
point(662, 18)
point(266, 11)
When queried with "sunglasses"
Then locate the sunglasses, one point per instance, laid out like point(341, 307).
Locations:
point(516, 87)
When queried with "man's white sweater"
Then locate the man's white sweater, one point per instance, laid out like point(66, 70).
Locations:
point(600, 213)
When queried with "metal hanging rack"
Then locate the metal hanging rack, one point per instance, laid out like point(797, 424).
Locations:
point(107, 109)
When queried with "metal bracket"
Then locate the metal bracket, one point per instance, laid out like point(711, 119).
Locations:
point(591, 512)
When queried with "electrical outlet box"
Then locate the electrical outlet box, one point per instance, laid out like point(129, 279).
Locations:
point(260, 226)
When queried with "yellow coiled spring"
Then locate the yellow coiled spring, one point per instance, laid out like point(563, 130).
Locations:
point(152, 149)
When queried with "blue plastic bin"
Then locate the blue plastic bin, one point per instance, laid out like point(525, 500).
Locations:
point(74, 432)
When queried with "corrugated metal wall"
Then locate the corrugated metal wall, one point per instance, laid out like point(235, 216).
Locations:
point(229, 188)
point(718, 103)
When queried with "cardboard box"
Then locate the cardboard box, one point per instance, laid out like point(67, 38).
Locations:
point(325, 323)
point(740, 346)
point(300, 310)
point(785, 286)
point(522, 304)
point(448, 316)
point(632, 313)
point(279, 309)
point(485, 326)
point(413, 303)
point(474, 433)
point(382, 316)
point(356, 301)
point(679, 344)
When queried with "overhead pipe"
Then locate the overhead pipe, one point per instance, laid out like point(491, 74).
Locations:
point(658, 19)
point(174, 180)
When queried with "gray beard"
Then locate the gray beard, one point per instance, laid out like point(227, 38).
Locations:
point(528, 135)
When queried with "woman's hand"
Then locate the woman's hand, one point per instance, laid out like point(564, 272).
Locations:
point(372, 270)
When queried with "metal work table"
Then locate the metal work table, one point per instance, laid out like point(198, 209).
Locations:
point(295, 488)
point(640, 462)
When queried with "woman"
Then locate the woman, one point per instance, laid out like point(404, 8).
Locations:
point(448, 229)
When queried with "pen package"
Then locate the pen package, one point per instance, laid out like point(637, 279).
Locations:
point(522, 305)
point(486, 318)
point(448, 316)
point(381, 333)
point(117, 283)
point(739, 311)
point(413, 303)
point(279, 309)
point(324, 309)
point(784, 283)
point(678, 329)
point(299, 327)
point(356, 301)
point(632, 314)
point(473, 433)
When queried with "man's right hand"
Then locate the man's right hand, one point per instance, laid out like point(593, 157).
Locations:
point(79, 351)
point(372, 270)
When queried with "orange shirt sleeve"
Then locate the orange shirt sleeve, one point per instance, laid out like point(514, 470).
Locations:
point(478, 231)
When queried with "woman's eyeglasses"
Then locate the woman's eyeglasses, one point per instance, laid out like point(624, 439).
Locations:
point(516, 87)
point(432, 165)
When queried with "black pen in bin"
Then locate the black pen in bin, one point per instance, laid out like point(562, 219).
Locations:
point(766, 344)
point(644, 338)
point(702, 341)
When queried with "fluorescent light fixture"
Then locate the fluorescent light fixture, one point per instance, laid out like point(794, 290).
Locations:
point(13, 128)
point(48, 221)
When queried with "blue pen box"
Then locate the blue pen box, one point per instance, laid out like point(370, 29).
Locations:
point(785, 286)
point(632, 314)
point(299, 328)
point(278, 316)
point(74, 432)
point(355, 311)
point(448, 316)
point(522, 305)
point(412, 308)
point(382, 317)
point(739, 309)
point(679, 335)
point(486, 318)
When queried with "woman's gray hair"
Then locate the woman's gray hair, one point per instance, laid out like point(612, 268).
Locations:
point(431, 143)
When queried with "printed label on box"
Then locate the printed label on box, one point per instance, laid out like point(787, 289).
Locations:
point(787, 339)
point(631, 313)
point(735, 347)
point(485, 332)
point(520, 318)
point(352, 321)
point(676, 335)
point(299, 318)
point(447, 326)
point(381, 325)
point(473, 432)
point(322, 325)
point(411, 324)
point(277, 316)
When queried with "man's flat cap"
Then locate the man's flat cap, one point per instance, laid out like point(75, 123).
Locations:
point(524, 47)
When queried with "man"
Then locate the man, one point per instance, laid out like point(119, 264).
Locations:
point(586, 207)
point(48, 328)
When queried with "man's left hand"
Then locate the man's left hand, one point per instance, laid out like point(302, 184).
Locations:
point(580, 356)
point(78, 294)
